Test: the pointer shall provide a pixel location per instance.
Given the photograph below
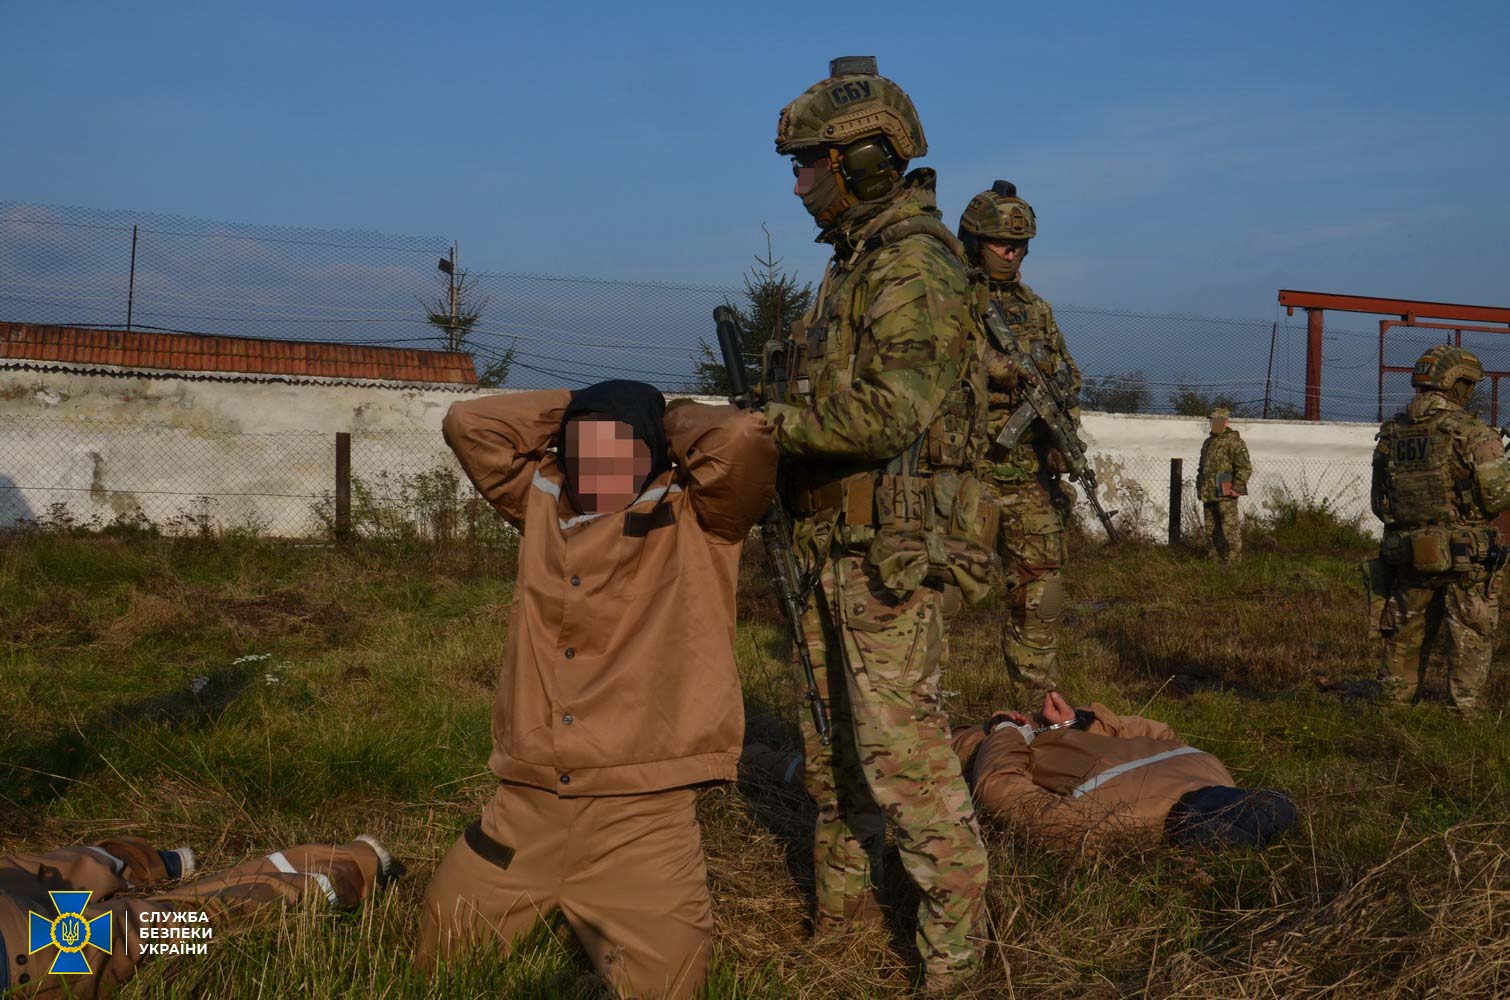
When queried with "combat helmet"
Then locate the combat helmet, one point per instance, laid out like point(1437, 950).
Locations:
point(1443, 365)
point(854, 101)
point(998, 214)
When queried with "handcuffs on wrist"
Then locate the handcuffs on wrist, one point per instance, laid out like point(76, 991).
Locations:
point(1070, 723)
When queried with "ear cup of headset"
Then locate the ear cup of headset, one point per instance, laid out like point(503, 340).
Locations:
point(869, 169)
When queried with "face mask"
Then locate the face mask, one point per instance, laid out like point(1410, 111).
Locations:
point(997, 267)
point(827, 199)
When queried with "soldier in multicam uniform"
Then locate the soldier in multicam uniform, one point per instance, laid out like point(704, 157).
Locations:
point(877, 404)
point(1025, 478)
point(1440, 476)
point(1220, 479)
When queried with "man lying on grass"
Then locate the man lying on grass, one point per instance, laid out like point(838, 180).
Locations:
point(618, 693)
point(65, 932)
point(1079, 780)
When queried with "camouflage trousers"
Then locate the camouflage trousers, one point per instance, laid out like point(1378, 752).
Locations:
point(1224, 529)
point(878, 662)
point(1420, 607)
point(1033, 552)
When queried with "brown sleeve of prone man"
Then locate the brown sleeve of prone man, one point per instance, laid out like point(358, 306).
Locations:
point(729, 459)
point(500, 440)
point(1004, 790)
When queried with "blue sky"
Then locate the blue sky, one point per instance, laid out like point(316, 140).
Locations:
point(1182, 157)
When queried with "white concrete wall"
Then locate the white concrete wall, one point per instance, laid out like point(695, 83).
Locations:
point(105, 445)
point(1327, 461)
point(265, 452)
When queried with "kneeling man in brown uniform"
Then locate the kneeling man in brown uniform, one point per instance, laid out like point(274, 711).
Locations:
point(618, 694)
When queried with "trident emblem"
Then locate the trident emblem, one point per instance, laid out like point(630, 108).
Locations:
point(70, 932)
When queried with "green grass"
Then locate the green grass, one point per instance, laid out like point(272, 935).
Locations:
point(241, 696)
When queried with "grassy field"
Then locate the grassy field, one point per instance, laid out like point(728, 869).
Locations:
point(240, 696)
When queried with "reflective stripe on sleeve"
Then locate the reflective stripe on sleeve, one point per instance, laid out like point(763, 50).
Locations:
point(1091, 784)
point(282, 864)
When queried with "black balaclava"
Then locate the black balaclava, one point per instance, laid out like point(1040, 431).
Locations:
point(637, 404)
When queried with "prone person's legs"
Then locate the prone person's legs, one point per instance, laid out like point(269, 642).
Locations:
point(343, 874)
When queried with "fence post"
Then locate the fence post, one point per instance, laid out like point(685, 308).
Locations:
point(343, 486)
point(1176, 500)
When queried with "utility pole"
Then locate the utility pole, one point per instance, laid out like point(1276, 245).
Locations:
point(451, 274)
point(1269, 378)
point(131, 281)
point(448, 265)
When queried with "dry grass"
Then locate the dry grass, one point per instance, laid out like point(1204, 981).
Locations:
point(370, 708)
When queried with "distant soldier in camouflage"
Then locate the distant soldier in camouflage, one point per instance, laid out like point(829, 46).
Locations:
point(1440, 476)
point(1026, 478)
point(877, 404)
point(1221, 478)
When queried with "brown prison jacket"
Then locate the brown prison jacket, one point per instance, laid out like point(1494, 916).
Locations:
point(618, 675)
point(1077, 791)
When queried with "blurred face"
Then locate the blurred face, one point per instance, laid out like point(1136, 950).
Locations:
point(608, 463)
point(808, 166)
point(1218, 424)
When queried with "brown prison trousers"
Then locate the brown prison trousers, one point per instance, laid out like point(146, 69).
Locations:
point(343, 875)
point(626, 871)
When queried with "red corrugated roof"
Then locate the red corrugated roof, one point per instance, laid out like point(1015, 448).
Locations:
point(199, 352)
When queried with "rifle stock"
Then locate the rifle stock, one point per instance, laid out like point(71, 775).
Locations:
point(775, 526)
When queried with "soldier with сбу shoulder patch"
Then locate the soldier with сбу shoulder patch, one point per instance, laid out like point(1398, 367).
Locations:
point(1440, 476)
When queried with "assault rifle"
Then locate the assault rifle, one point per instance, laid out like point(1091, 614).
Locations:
point(1047, 400)
point(775, 526)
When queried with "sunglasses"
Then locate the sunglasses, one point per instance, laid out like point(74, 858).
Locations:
point(808, 160)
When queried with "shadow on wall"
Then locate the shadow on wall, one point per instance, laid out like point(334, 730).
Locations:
point(13, 505)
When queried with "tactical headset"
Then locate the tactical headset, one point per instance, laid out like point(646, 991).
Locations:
point(869, 168)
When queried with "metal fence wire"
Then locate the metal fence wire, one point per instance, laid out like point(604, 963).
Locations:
point(120, 269)
point(62, 474)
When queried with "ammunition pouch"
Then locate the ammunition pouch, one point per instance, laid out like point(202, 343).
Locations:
point(1437, 549)
point(1430, 551)
point(938, 527)
point(954, 541)
point(1471, 547)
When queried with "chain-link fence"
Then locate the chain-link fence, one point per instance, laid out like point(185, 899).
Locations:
point(73, 266)
point(61, 474)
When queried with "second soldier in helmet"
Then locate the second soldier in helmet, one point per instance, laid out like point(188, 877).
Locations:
point(1025, 478)
point(877, 404)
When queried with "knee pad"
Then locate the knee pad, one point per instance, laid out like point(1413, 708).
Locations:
point(1050, 600)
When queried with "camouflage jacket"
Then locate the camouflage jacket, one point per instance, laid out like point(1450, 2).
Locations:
point(1221, 454)
point(1436, 463)
point(882, 380)
point(1032, 321)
